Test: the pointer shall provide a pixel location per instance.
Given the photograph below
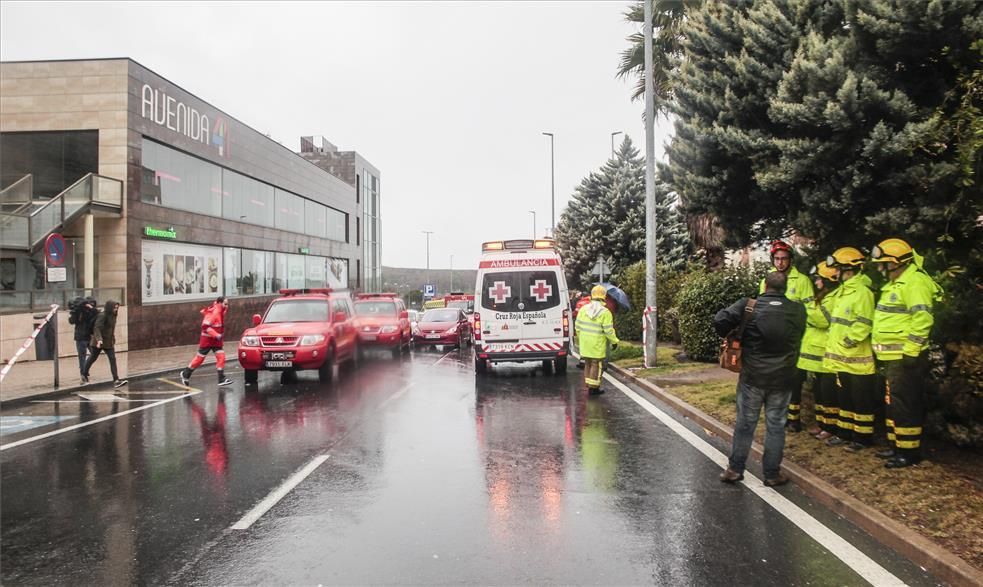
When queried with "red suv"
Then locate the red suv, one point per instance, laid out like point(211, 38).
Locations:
point(443, 326)
point(382, 321)
point(305, 329)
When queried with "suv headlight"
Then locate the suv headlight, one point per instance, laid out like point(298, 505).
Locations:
point(311, 339)
point(389, 329)
point(250, 341)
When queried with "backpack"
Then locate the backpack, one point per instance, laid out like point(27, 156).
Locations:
point(730, 349)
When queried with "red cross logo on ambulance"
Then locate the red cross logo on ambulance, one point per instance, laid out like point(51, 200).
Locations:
point(541, 290)
point(500, 292)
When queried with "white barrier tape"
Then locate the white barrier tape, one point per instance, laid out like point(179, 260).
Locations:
point(645, 319)
point(27, 343)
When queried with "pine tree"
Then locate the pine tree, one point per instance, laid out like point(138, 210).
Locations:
point(607, 217)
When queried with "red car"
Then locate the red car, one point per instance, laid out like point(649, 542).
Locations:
point(382, 322)
point(443, 326)
point(305, 329)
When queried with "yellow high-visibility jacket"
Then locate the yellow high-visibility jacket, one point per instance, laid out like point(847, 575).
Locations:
point(798, 288)
point(848, 348)
point(903, 316)
point(818, 315)
point(595, 328)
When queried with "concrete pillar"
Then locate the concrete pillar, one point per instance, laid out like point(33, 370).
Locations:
point(89, 280)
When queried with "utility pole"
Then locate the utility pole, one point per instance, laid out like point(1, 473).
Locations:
point(552, 189)
point(452, 272)
point(617, 132)
point(428, 233)
point(650, 329)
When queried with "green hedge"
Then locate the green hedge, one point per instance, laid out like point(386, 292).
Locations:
point(632, 281)
point(702, 295)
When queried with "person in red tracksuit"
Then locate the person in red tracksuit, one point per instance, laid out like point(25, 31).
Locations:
point(212, 330)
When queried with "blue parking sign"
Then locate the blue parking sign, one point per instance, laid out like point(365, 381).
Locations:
point(429, 290)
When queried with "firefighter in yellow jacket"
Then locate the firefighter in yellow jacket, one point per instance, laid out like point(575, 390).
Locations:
point(595, 329)
point(848, 350)
point(902, 321)
point(818, 315)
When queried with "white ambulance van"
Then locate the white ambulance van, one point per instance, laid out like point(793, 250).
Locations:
point(522, 306)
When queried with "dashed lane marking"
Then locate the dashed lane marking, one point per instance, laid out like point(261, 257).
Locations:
point(834, 543)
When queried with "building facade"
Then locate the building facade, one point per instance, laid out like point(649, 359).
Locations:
point(207, 206)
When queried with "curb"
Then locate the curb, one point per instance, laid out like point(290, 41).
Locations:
point(915, 547)
point(19, 401)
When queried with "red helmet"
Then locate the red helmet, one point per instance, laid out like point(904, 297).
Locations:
point(781, 246)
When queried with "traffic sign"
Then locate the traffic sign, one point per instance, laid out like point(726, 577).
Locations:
point(602, 267)
point(429, 290)
point(54, 249)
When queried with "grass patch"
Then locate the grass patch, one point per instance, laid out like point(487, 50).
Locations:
point(942, 498)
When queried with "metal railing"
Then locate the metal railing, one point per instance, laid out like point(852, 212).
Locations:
point(18, 193)
point(27, 231)
point(21, 301)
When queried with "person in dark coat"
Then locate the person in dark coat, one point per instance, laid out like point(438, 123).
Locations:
point(104, 340)
point(83, 316)
point(770, 348)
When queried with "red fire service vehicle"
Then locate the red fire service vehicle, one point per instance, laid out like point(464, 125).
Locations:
point(304, 329)
point(382, 321)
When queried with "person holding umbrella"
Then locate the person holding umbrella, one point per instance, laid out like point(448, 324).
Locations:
point(613, 298)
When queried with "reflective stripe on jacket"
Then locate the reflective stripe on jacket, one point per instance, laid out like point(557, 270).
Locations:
point(848, 347)
point(903, 316)
point(595, 328)
point(818, 315)
point(798, 288)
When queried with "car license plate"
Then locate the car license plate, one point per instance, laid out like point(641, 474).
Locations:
point(433, 336)
point(502, 347)
point(279, 364)
point(369, 337)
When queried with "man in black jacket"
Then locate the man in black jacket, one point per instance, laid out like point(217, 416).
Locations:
point(770, 349)
point(83, 315)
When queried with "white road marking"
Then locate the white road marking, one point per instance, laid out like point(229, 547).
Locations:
point(395, 396)
point(442, 358)
point(96, 421)
point(272, 499)
point(843, 550)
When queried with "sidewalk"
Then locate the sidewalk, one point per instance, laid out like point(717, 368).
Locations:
point(36, 378)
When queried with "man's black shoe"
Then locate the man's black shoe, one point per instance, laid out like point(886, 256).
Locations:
point(901, 462)
point(793, 426)
point(887, 453)
point(835, 441)
point(855, 447)
point(595, 391)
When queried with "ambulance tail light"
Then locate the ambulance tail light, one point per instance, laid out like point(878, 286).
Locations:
point(493, 246)
point(544, 244)
point(477, 326)
point(566, 322)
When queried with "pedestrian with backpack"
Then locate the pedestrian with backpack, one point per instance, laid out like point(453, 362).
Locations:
point(104, 341)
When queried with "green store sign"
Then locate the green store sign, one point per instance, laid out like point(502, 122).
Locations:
point(168, 233)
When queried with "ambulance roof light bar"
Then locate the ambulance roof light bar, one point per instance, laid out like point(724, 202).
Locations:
point(518, 245)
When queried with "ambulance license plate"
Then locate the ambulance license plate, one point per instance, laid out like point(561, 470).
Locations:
point(502, 347)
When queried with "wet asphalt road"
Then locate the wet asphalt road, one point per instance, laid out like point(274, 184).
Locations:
point(426, 475)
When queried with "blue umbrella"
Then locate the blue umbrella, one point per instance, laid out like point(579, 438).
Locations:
point(618, 295)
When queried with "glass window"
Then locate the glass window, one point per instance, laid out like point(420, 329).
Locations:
point(441, 315)
point(315, 272)
point(233, 271)
point(315, 219)
point(520, 291)
point(296, 269)
point(55, 159)
point(269, 273)
point(297, 311)
point(175, 180)
point(289, 214)
point(246, 200)
point(370, 308)
point(280, 275)
point(337, 225)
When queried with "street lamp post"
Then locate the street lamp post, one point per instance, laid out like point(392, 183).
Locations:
point(533, 212)
point(552, 188)
point(452, 272)
point(617, 132)
point(428, 233)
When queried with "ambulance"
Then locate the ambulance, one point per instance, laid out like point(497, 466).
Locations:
point(522, 307)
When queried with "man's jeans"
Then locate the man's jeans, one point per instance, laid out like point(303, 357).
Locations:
point(749, 402)
point(82, 346)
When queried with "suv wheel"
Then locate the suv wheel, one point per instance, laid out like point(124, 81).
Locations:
point(326, 372)
point(251, 376)
point(398, 350)
point(480, 366)
point(560, 366)
point(288, 376)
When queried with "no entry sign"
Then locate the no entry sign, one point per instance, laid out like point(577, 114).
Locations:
point(54, 249)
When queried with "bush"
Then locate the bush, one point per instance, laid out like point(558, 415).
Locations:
point(701, 296)
point(956, 413)
point(632, 281)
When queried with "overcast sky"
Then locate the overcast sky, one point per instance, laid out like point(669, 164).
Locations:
point(447, 99)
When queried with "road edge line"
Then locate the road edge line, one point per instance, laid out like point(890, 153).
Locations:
point(932, 557)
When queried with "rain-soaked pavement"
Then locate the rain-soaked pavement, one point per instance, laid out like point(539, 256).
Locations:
point(416, 473)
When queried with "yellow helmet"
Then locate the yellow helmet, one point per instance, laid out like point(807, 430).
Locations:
point(846, 257)
point(892, 249)
point(598, 292)
point(822, 269)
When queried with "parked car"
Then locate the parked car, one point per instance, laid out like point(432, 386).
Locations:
point(382, 321)
point(304, 329)
point(444, 327)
